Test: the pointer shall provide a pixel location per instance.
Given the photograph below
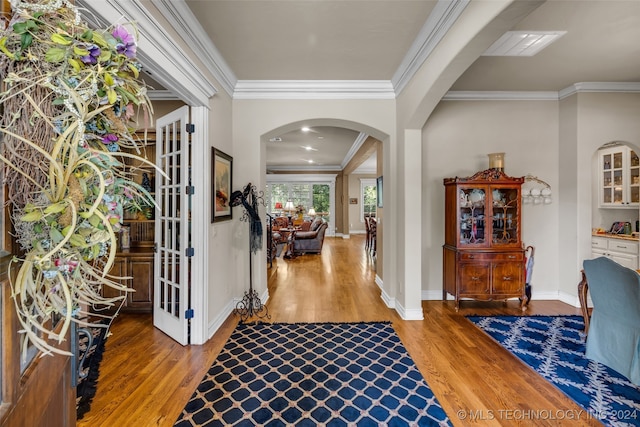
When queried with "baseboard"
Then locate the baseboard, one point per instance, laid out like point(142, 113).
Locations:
point(431, 295)
point(569, 299)
point(379, 281)
point(220, 319)
point(388, 300)
point(414, 314)
point(357, 232)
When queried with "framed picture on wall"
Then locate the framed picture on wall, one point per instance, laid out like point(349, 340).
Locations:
point(379, 190)
point(221, 172)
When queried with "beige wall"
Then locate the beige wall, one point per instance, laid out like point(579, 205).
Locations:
point(456, 141)
point(255, 121)
point(555, 141)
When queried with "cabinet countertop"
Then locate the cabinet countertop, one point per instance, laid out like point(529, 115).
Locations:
point(617, 236)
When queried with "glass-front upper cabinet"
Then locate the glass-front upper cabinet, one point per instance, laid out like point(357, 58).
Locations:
point(619, 177)
point(485, 211)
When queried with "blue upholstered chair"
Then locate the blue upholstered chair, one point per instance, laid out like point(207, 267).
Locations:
point(614, 332)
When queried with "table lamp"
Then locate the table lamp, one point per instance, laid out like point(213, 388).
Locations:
point(289, 208)
point(278, 207)
point(312, 212)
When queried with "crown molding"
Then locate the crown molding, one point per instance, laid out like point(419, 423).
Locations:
point(365, 171)
point(314, 89)
point(362, 137)
point(182, 19)
point(310, 168)
point(500, 96)
point(290, 177)
point(162, 95)
point(442, 17)
point(156, 49)
point(611, 87)
point(583, 87)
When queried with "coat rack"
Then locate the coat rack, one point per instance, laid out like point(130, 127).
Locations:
point(251, 304)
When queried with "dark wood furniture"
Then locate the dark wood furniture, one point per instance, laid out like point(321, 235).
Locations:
point(137, 260)
point(583, 290)
point(483, 252)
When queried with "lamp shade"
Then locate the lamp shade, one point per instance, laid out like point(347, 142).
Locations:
point(289, 206)
point(278, 205)
point(312, 212)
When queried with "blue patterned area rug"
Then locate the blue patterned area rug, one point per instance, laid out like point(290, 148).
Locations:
point(554, 347)
point(308, 374)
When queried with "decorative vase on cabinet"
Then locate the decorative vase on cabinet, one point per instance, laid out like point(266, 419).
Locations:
point(483, 254)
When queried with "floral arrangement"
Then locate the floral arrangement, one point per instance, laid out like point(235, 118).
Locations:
point(299, 210)
point(70, 96)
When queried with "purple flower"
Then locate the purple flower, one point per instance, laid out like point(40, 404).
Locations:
point(126, 44)
point(92, 57)
point(109, 138)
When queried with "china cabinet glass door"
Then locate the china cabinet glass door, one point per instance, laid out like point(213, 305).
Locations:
point(472, 216)
point(634, 177)
point(504, 224)
point(619, 177)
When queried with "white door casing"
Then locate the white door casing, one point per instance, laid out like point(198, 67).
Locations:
point(172, 228)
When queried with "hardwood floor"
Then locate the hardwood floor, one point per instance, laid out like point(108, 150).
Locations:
point(146, 378)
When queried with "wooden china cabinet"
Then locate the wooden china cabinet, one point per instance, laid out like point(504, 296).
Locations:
point(483, 252)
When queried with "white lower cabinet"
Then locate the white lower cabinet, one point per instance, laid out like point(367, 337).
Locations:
point(624, 252)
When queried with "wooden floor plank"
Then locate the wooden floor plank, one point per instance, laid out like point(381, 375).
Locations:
point(146, 378)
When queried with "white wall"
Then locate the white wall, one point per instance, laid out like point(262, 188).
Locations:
point(222, 278)
point(456, 140)
point(599, 118)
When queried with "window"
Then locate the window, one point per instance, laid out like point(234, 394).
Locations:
point(368, 197)
point(310, 191)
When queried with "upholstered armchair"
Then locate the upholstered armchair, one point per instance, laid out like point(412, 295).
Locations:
point(614, 332)
point(311, 240)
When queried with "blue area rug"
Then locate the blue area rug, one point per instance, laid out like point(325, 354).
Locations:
point(554, 347)
point(308, 374)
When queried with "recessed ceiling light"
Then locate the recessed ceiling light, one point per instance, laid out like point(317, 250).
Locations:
point(522, 43)
point(308, 148)
point(305, 129)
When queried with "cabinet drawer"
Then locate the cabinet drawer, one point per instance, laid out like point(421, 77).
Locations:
point(599, 242)
point(505, 256)
point(623, 246)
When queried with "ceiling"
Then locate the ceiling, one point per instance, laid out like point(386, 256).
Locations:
point(358, 40)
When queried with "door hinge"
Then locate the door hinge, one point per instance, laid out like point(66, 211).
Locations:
point(188, 314)
point(191, 190)
point(191, 128)
point(190, 252)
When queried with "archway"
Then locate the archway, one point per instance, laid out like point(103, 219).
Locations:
point(342, 196)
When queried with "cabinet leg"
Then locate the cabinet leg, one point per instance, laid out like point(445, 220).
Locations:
point(523, 303)
point(457, 304)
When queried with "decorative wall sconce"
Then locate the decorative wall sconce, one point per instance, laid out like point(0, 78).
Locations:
point(536, 191)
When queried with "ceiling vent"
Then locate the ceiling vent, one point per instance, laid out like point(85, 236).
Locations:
point(276, 139)
point(522, 43)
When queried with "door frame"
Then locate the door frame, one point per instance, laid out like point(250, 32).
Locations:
point(200, 214)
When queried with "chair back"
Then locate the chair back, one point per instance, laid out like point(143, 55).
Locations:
point(280, 222)
point(615, 290)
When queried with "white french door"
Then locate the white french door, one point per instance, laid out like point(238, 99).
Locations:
point(172, 267)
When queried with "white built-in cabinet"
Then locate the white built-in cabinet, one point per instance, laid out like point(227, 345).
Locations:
point(619, 180)
point(622, 251)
